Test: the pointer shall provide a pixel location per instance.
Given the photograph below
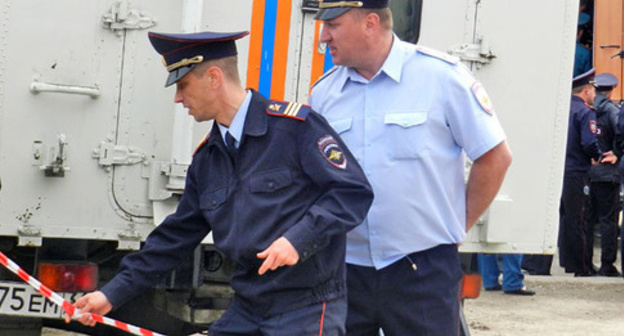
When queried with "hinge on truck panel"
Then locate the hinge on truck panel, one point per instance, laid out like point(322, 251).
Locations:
point(479, 52)
point(109, 154)
point(120, 17)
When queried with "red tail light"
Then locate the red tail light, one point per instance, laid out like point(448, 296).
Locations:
point(69, 277)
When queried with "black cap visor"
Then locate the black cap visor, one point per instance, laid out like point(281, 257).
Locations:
point(177, 74)
point(330, 13)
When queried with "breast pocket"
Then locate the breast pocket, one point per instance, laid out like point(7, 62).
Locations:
point(341, 125)
point(271, 181)
point(407, 133)
point(212, 200)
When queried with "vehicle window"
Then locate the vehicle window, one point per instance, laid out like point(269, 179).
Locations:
point(406, 17)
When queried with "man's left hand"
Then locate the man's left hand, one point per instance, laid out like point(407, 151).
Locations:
point(608, 157)
point(280, 253)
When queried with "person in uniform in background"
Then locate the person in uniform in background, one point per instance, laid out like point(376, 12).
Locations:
point(275, 185)
point(604, 178)
point(410, 115)
point(513, 279)
point(582, 55)
point(582, 150)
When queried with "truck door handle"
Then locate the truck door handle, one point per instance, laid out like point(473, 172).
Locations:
point(91, 91)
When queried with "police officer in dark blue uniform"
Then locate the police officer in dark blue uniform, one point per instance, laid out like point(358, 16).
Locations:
point(274, 184)
point(604, 180)
point(581, 152)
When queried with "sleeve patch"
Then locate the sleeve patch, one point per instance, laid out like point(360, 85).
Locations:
point(592, 126)
point(288, 109)
point(482, 97)
point(331, 151)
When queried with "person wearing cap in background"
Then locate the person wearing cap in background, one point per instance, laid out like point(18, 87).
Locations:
point(582, 151)
point(408, 114)
point(582, 55)
point(274, 184)
point(604, 178)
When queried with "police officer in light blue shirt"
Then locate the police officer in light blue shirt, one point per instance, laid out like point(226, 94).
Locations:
point(410, 115)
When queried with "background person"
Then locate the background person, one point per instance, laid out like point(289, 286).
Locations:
point(275, 185)
point(408, 114)
point(513, 279)
point(604, 178)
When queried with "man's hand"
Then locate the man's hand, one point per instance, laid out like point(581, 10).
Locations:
point(608, 157)
point(95, 302)
point(280, 253)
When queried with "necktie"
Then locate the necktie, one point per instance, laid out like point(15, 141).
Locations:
point(230, 143)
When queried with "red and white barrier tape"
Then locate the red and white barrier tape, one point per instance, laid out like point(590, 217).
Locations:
point(70, 309)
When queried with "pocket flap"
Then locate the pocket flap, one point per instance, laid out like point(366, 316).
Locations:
point(405, 119)
point(271, 181)
point(212, 199)
point(341, 125)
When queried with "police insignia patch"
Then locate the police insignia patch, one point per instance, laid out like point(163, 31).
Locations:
point(331, 151)
point(482, 97)
point(592, 126)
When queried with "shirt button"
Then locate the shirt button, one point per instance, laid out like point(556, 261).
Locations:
point(271, 185)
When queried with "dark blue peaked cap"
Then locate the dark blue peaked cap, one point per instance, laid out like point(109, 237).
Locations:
point(182, 52)
point(605, 81)
point(584, 78)
point(331, 9)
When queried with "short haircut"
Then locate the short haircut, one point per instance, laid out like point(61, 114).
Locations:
point(385, 15)
point(579, 89)
point(228, 65)
point(604, 90)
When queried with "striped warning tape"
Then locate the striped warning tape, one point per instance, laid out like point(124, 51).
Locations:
point(70, 309)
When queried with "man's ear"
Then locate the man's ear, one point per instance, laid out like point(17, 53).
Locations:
point(215, 76)
point(372, 20)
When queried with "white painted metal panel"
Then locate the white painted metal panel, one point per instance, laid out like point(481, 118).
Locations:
point(529, 83)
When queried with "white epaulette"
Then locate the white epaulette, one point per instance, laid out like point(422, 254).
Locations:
point(438, 54)
point(325, 75)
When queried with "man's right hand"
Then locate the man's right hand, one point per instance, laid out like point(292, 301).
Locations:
point(96, 303)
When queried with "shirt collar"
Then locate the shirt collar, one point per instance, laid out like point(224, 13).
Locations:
point(392, 66)
point(236, 126)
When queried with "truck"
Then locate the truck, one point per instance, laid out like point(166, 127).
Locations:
point(94, 152)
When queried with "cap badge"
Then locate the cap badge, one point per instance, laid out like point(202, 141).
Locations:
point(340, 4)
point(183, 63)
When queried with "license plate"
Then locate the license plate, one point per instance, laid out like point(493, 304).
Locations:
point(19, 299)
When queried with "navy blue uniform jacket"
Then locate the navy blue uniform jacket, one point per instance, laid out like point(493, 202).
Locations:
point(582, 144)
point(606, 122)
point(283, 182)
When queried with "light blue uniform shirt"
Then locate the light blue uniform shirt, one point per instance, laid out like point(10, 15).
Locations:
point(238, 123)
point(409, 127)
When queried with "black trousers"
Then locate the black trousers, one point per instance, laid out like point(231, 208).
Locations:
point(403, 299)
point(604, 210)
point(572, 240)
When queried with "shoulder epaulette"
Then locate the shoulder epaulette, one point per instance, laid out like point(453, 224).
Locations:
point(325, 75)
point(438, 54)
point(288, 109)
point(202, 143)
point(590, 107)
